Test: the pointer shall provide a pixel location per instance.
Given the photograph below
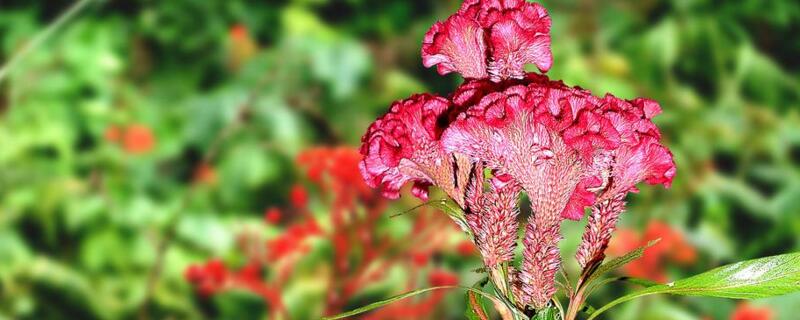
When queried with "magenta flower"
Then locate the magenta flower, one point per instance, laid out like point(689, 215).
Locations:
point(490, 39)
point(541, 133)
point(565, 148)
point(640, 157)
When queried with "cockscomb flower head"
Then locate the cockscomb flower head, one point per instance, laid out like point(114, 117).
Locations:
point(492, 39)
point(541, 133)
point(504, 132)
point(640, 157)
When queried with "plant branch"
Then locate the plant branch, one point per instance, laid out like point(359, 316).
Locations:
point(42, 36)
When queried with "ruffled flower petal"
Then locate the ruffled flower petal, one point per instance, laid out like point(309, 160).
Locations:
point(490, 39)
point(544, 135)
point(456, 45)
point(402, 146)
point(521, 37)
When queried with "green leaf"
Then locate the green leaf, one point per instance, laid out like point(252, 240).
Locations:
point(475, 304)
point(448, 206)
point(475, 309)
point(454, 211)
point(414, 208)
point(752, 279)
point(615, 263)
point(382, 303)
point(550, 313)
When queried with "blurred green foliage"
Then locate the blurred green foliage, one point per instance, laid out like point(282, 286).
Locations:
point(82, 221)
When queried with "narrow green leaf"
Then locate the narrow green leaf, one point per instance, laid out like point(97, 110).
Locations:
point(752, 279)
point(638, 281)
point(476, 309)
point(382, 303)
point(412, 209)
point(445, 205)
point(642, 282)
point(454, 211)
point(615, 263)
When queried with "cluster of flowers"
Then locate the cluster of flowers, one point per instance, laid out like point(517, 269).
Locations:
point(359, 258)
point(504, 132)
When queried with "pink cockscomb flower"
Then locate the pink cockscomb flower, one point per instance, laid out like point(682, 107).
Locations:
point(504, 132)
point(490, 39)
point(542, 134)
point(640, 157)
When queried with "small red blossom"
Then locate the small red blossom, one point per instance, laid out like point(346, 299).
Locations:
point(466, 248)
point(134, 139)
point(205, 174)
point(298, 196)
point(242, 46)
point(292, 241)
point(440, 278)
point(138, 139)
point(209, 277)
point(239, 31)
point(746, 311)
point(272, 215)
point(420, 259)
point(113, 134)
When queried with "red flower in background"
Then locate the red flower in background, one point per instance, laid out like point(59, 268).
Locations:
point(439, 278)
point(239, 32)
point(113, 134)
point(135, 139)
point(138, 139)
point(205, 174)
point(209, 277)
point(292, 241)
point(745, 311)
point(214, 277)
point(298, 197)
point(272, 215)
point(242, 46)
point(673, 248)
point(466, 248)
point(360, 257)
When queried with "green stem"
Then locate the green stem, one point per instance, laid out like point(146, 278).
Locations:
point(42, 36)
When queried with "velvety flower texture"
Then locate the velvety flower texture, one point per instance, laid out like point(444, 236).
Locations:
point(567, 149)
point(490, 39)
point(640, 157)
point(403, 146)
point(495, 225)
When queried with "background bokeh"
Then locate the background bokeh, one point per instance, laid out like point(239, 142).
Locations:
point(147, 136)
